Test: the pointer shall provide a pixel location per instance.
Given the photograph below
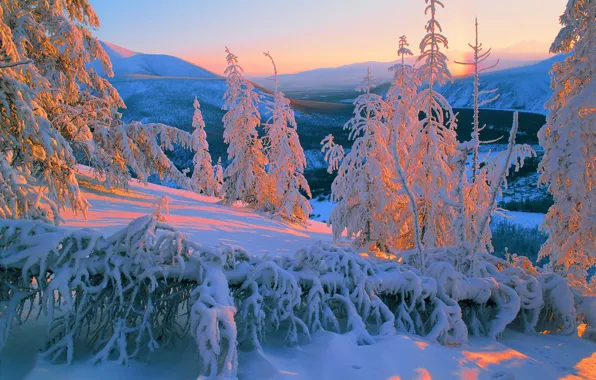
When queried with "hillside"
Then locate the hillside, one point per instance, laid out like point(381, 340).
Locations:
point(129, 63)
point(523, 88)
point(168, 99)
point(515, 356)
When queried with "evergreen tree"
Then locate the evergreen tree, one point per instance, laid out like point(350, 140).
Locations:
point(218, 178)
point(202, 176)
point(429, 164)
point(568, 167)
point(57, 111)
point(245, 177)
point(286, 159)
point(50, 102)
point(364, 184)
point(480, 56)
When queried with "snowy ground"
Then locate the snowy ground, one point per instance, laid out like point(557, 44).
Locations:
point(328, 356)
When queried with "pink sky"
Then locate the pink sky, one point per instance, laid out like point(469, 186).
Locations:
point(309, 34)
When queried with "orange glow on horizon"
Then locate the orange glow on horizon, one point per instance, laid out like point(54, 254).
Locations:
point(458, 70)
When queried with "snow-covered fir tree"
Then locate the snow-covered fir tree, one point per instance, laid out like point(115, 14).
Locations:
point(202, 179)
point(244, 177)
point(141, 148)
point(476, 192)
point(479, 57)
point(429, 165)
point(568, 167)
point(218, 177)
point(364, 185)
point(61, 112)
point(334, 153)
point(50, 101)
point(404, 86)
point(286, 159)
point(403, 122)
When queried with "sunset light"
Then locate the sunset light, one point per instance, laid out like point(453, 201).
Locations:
point(325, 190)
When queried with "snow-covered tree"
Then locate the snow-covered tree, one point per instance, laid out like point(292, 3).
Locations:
point(334, 153)
point(202, 176)
point(244, 177)
point(58, 111)
point(140, 148)
point(364, 184)
point(474, 195)
point(50, 99)
point(568, 167)
point(480, 56)
point(429, 165)
point(286, 159)
point(218, 177)
point(403, 122)
point(402, 117)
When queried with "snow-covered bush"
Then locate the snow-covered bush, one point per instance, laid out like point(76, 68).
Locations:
point(128, 293)
point(144, 286)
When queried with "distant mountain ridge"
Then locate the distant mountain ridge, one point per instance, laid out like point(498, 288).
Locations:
point(348, 76)
point(522, 88)
point(126, 62)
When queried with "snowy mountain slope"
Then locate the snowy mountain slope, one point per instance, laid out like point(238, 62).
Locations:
point(200, 217)
point(327, 356)
point(522, 88)
point(127, 62)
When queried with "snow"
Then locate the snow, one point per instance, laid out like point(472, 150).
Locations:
point(333, 356)
point(198, 216)
point(127, 62)
point(328, 355)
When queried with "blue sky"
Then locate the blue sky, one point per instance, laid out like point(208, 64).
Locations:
point(314, 33)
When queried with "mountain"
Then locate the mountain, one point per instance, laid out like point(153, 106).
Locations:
point(522, 88)
point(127, 62)
point(346, 77)
point(161, 89)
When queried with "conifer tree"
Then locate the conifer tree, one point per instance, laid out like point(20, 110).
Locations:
point(286, 159)
point(244, 177)
point(56, 111)
point(434, 142)
point(50, 101)
point(364, 184)
point(568, 167)
point(479, 58)
point(202, 176)
point(475, 193)
point(218, 178)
